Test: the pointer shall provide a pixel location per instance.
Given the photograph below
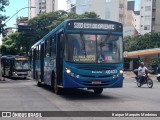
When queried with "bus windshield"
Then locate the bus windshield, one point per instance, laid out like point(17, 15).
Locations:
point(91, 48)
point(21, 65)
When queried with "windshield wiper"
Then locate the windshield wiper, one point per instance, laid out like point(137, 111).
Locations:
point(83, 44)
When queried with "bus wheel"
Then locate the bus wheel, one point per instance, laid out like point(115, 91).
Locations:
point(57, 89)
point(9, 75)
point(98, 90)
point(39, 84)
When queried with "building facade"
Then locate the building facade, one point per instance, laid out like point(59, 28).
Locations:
point(145, 16)
point(21, 21)
point(10, 30)
point(155, 16)
point(150, 16)
point(42, 6)
point(106, 9)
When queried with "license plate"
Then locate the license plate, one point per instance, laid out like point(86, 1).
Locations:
point(96, 82)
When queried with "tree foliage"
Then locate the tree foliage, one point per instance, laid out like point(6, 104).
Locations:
point(20, 43)
point(12, 44)
point(44, 23)
point(155, 61)
point(3, 3)
point(147, 41)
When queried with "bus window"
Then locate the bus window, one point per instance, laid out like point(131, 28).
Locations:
point(108, 48)
point(22, 65)
point(47, 48)
point(53, 47)
point(81, 48)
point(62, 44)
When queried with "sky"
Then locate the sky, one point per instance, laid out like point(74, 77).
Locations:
point(16, 5)
point(13, 7)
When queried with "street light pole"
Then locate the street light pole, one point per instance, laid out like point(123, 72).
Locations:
point(17, 13)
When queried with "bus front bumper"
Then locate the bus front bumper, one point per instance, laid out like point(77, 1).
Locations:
point(73, 82)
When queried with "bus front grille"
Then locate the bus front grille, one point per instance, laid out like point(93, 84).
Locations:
point(93, 76)
point(96, 67)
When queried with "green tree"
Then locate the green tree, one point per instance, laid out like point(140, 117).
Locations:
point(48, 21)
point(20, 43)
point(3, 3)
point(147, 41)
point(12, 44)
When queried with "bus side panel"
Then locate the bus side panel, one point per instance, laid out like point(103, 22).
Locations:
point(37, 70)
point(47, 71)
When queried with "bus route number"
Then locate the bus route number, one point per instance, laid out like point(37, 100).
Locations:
point(78, 25)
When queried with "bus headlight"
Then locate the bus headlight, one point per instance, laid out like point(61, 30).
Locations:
point(68, 71)
point(121, 71)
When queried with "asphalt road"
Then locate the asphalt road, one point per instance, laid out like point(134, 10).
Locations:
point(24, 95)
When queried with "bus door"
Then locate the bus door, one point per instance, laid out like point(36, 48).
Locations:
point(59, 60)
point(42, 62)
point(34, 64)
point(11, 67)
point(3, 63)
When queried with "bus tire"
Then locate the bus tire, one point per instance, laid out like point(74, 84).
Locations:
point(9, 75)
point(98, 90)
point(57, 90)
point(39, 84)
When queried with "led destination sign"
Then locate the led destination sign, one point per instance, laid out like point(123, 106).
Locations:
point(101, 26)
point(93, 25)
point(21, 59)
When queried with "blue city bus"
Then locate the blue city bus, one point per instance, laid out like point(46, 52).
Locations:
point(80, 53)
point(15, 66)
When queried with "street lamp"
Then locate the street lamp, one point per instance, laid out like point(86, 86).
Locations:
point(17, 13)
point(2, 25)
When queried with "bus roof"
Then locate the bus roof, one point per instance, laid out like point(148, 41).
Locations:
point(64, 24)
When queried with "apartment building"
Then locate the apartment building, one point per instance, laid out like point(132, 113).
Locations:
point(145, 16)
point(150, 16)
point(81, 6)
point(106, 9)
point(42, 6)
point(21, 21)
point(155, 16)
